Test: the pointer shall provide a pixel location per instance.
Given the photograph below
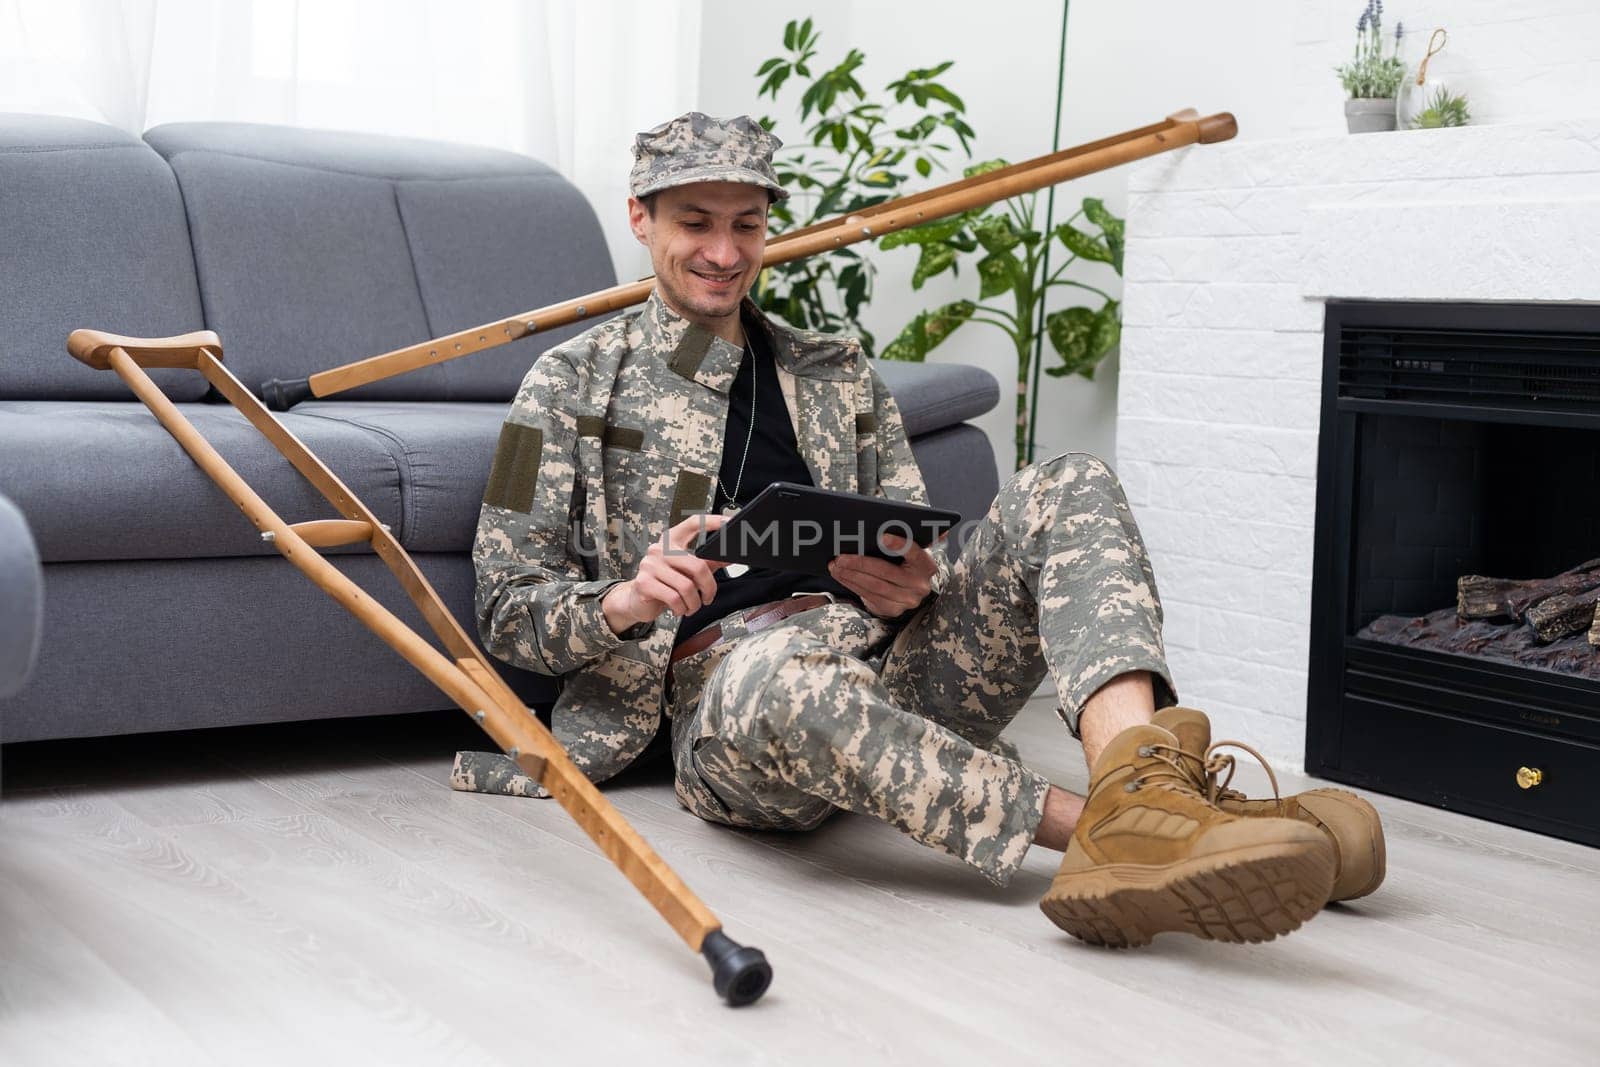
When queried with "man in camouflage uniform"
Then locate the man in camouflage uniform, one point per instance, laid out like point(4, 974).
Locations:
point(888, 695)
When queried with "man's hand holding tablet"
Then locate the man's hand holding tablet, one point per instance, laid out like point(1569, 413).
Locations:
point(888, 589)
point(670, 578)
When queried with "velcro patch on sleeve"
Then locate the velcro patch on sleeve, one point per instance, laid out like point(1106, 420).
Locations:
point(516, 468)
point(690, 497)
point(630, 438)
point(866, 422)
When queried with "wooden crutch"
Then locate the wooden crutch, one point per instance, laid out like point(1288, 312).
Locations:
point(739, 974)
point(1176, 131)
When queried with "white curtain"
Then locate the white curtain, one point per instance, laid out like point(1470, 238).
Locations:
point(566, 82)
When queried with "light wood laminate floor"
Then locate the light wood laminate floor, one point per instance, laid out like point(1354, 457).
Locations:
point(318, 894)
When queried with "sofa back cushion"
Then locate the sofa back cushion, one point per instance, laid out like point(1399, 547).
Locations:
point(316, 248)
point(92, 234)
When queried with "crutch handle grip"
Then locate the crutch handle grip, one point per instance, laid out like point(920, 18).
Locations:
point(281, 395)
point(94, 348)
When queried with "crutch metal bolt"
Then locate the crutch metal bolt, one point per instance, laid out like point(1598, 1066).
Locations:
point(740, 975)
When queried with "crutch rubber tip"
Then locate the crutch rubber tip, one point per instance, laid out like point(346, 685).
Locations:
point(740, 975)
point(281, 395)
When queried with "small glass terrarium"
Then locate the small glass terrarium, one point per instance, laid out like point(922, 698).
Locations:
point(1432, 96)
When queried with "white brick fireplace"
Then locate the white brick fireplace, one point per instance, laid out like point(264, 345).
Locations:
point(1232, 250)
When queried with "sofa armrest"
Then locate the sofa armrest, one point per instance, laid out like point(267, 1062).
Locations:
point(935, 396)
point(22, 597)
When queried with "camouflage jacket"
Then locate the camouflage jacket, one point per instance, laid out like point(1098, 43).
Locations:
point(613, 437)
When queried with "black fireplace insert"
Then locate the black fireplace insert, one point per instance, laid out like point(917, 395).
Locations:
point(1458, 440)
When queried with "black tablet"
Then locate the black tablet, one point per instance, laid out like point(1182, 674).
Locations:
point(802, 528)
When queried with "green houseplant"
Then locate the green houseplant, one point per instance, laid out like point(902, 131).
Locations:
point(1444, 108)
point(858, 152)
point(1371, 78)
point(1015, 278)
point(1428, 101)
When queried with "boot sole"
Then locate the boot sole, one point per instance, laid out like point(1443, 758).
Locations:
point(1250, 895)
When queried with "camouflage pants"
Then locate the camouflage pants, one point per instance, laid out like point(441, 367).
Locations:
point(831, 709)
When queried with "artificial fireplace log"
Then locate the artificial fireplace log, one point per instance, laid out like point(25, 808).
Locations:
point(1594, 630)
point(1478, 597)
point(1562, 614)
point(1442, 631)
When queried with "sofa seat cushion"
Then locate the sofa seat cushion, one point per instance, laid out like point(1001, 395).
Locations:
point(104, 481)
point(443, 453)
point(932, 396)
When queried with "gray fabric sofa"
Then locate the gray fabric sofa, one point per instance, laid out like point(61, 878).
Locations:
point(303, 250)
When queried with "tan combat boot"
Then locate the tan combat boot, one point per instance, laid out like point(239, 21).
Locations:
point(1351, 823)
point(1150, 853)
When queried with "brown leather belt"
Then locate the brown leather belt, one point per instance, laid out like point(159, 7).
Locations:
point(757, 618)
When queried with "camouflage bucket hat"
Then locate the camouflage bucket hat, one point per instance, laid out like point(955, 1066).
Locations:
point(698, 148)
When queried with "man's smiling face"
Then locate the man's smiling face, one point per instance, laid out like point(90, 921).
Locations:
point(706, 242)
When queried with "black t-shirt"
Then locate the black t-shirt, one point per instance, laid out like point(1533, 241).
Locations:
point(773, 457)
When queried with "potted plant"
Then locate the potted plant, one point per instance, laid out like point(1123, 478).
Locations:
point(1427, 101)
point(1371, 78)
point(1444, 108)
point(858, 155)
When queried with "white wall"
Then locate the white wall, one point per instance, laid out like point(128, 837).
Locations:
point(1129, 63)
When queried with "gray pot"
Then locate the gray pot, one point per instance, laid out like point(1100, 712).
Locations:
point(1369, 116)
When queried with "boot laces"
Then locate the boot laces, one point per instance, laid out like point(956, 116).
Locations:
point(1198, 775)
point(1207, 769)
point(1171, 772)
